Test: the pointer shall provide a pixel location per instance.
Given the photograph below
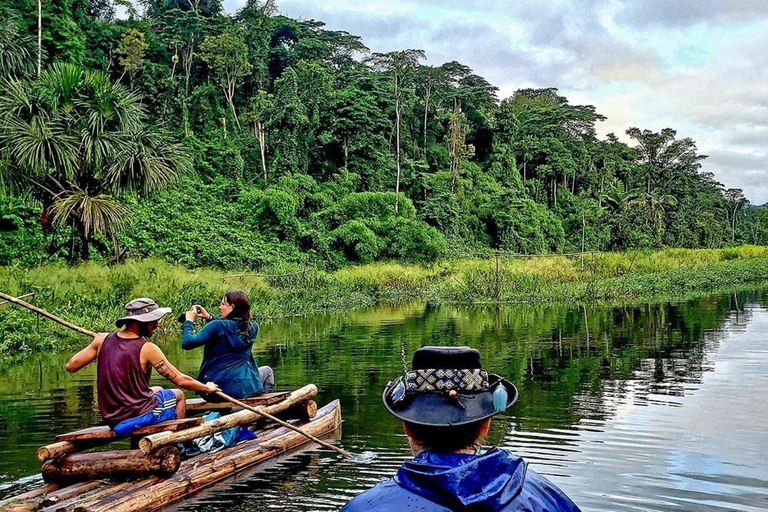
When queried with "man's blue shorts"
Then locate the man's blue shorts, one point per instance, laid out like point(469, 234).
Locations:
point(165, 410)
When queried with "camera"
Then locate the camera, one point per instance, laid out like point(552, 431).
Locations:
point(183, 317)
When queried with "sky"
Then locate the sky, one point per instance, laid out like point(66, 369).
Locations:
point(697, 66)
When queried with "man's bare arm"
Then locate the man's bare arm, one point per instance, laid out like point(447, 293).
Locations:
point(87, 355)
point(152, 354)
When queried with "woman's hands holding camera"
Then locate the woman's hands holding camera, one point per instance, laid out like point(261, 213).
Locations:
point(196, 310)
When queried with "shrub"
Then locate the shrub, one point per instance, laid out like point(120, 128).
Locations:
point(357, 242)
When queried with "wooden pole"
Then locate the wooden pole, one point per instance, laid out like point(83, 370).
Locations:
point(260, 411)
point(60, 448)
point(51, 451)
point(19, 297)
point(46, 314)
point(90, 466)
point(152, 442)
point(72, 491)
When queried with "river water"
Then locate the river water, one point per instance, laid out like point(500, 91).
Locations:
point(645, 407)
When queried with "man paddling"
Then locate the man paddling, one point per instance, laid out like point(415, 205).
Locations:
point(446, 402)
point(125, 359)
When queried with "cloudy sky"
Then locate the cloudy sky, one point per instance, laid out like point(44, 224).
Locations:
point(698, 66)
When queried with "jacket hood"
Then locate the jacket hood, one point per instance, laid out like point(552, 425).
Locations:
point(459, 481)
point(232, 326)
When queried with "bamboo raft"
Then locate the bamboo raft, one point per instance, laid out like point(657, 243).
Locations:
point(151, 475)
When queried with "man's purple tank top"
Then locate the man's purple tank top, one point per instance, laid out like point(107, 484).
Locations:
point(122, 383)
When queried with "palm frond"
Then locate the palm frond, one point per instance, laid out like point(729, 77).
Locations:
point(17, 48)
point(40, 144)
point(95, 214)
point(59, 84)
point(111, 104)
point(15, 98)
point(148, 163)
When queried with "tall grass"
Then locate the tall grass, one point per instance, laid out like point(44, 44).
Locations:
point(93, 295)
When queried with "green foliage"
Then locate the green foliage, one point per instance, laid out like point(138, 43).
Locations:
point(368, 205)
point(196, 224)
point(357, 242)
point(78, 140)
point(325, 154)
point(93, 295)
point(521, 225)
point(131, 50)
point(21, 241)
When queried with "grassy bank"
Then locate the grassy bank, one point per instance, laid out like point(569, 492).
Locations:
point(92, 295)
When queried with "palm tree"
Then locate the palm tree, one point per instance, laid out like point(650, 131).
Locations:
point(654, 204)
point(617, 196)
point(80, 142)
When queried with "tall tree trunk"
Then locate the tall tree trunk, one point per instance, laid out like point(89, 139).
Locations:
point(234, 114)
point(426, 111)
point(397, 130)
point(733, 226)
point(525, 168)
point(261, 136)
point(346, 153)
point(554, 191)
point(600, 198)
point(39, 36)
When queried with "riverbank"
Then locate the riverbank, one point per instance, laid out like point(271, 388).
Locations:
point(92, 295)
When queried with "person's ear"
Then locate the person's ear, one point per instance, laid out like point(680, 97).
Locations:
point(485, 427)
point(407, 430)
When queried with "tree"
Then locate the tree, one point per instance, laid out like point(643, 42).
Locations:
point(430, 78)
point(654, 204)
point(735, 199)
point(290, 123)
point(227, 57)
point(458, 149)
point(663, 158)
point(617, 196)
point(400, 67)
point(80, 142)
point(130, 51)
point(259, 111)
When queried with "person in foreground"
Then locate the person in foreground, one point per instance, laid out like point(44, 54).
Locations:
point(228, 340)
point(446, 402)
point(125, 359)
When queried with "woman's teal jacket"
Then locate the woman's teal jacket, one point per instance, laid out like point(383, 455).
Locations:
point(227, 358)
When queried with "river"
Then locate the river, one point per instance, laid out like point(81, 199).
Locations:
point(645, 407)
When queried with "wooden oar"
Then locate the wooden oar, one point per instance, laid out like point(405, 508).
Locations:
point(19, 297)
point(257, 410)
point(46, 314)
point(235, 401)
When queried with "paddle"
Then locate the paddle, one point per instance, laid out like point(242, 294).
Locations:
point(86, 332)
point(257, 410)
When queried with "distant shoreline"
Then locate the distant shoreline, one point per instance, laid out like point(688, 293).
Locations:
point(92, 295)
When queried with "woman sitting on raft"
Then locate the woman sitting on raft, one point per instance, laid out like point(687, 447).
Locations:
point(228, 341)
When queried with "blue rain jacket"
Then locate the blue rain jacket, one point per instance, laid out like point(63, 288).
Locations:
point(227, 358)
point(493, 481)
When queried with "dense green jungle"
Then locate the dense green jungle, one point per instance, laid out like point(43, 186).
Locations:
point(252, 140)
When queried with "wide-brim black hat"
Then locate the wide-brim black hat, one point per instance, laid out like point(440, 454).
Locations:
point(447, 386)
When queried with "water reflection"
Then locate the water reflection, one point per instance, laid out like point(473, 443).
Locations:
point(626, 408)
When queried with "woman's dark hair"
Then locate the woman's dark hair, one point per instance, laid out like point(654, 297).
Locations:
point(446, 439)
point(241, 311)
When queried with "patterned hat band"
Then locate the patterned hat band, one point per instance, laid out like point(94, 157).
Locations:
point(437, 380)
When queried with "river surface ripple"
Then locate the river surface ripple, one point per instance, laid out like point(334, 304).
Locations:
point(655, 407)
